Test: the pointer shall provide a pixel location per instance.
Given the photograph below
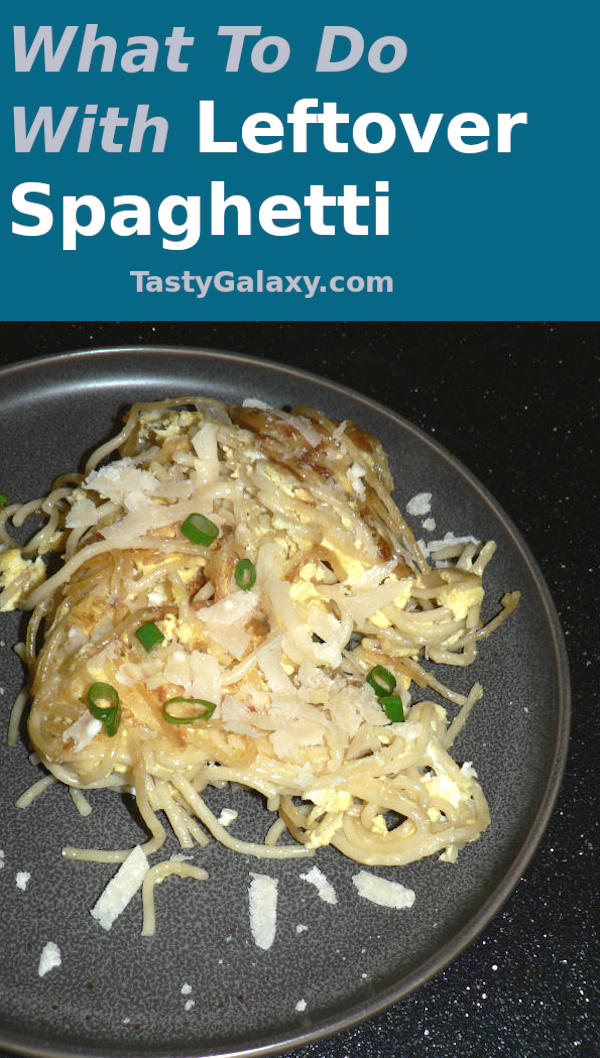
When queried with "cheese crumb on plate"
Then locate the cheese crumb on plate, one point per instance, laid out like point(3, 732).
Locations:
point(262, 896)
point(121, 888)
point(321, 884)
point(227, 817)
point(50, 958)
point(383, 892)
point(419, 504)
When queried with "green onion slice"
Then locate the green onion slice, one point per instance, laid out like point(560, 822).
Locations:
point(149, 635)
point(394, 710)
point(104, 704)
point(245, 574)
point(208, 709)
point(382, 681)
point(3, 499)
point(199, 530)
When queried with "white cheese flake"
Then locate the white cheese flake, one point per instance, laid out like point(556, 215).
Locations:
point(49, 958)
point(157, 597)
point(251, 402)
point(301, 1006)
point(227, 620)
point(322, 885)
point(227, 817)
point(355, 473)
point(120, 480)
point(82, 732)
point(303, 425)
point(420, 504)
point(83, 513)
point(383, 892)
point(21, 879)
point(262, 895)
point(449, 540)
point(204, 443)
point(468, 770)
point(121, 888)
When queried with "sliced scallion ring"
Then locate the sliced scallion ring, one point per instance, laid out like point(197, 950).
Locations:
point(199, 530)
point(104, 704)
point(245, 574)
point(208, 709)
point(3, 499)
point(382, 681)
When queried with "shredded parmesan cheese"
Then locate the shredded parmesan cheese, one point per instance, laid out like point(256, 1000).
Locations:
point(82, 732)
point(49, 958)
point(383, 892)
point(322, 885)
point(262, 896)
point(419, 504)
point(121, 888)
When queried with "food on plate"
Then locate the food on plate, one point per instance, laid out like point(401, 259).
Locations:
point(241, 601)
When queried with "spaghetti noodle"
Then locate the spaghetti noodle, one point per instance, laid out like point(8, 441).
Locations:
point(241, 601)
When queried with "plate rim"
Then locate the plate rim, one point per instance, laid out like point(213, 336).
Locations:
point(364, 1009)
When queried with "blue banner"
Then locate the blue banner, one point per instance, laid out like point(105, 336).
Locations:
point(424, 161)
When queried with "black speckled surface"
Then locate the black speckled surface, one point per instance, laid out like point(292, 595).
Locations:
point(518, 405)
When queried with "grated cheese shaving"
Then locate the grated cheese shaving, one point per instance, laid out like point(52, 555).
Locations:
point(121, 888)
point(50, 958)
point(322, 885)
point(262, 895)
point(383, 892)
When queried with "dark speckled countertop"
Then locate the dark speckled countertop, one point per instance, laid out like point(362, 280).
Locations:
point(518, 404)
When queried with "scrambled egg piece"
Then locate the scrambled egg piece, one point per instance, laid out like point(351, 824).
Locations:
point(328, 799)
point(303, 588)
point(168, 626)
point(405, 587)
point(166, 426)
point(441, 786)
point(379, 826)
point(18, 576)
point(447, 790)
point(353, 569)
point(330, 804)
point(459, 598)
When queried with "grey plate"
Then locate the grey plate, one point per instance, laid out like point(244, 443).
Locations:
point(120, 994)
